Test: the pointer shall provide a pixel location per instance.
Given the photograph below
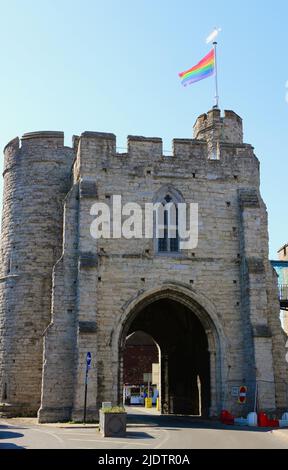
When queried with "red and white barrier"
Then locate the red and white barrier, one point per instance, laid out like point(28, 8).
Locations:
point(253, 419)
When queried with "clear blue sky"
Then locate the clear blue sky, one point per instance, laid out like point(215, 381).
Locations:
point(112, 66)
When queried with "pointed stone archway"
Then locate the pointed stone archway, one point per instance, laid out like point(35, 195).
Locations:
point(185, 324)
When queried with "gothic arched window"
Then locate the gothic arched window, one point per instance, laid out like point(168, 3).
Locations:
point(166, 221)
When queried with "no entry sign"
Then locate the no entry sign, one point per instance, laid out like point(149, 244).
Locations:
point(242, 395)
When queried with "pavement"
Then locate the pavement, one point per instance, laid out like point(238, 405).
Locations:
point(146, 429)
point(283, 433)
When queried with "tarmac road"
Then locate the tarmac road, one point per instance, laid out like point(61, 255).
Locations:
point(145, 431)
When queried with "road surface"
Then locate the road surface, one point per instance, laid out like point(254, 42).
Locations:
point(145, 431)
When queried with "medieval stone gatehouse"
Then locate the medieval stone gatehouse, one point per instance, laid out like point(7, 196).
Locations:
point(212, 310)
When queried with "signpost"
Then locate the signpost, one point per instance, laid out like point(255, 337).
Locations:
point(88, 366)
point(148, 379)
point(148, 401)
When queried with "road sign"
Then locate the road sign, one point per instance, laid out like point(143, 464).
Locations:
point(88, 365)
point(242, 395)
point(106, 404)
point(147, 377)
point(88, 360)
point(235, 392)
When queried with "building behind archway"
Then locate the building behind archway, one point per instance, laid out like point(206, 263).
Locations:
point(63, 293)
point(140, 353)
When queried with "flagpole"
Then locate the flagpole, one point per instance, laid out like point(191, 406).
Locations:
point(216, 77)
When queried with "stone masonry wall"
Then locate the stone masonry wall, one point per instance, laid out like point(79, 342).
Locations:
point(36, 179)
point(229, 266)
point(95, 282)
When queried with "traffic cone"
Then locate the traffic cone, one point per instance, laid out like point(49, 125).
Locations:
point(263, 421)
point(226, 417)
point(274, 423)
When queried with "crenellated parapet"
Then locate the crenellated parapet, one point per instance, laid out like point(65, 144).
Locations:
point(215, 138)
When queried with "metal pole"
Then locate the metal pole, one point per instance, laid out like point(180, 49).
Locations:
point(85, 399)
point(256, 397)
point(216, 77)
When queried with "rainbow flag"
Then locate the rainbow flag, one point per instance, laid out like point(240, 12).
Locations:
point(205, 68)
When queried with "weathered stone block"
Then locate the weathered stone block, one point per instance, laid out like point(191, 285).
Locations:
point(255, 265)
point(248, 198)
point(86, 327)
point(88, 189)
point(88, 261)
point(261, 331)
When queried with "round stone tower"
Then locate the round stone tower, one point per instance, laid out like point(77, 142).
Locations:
point(36, 179)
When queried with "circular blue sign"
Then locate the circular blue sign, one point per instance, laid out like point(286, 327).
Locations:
point(88, 360)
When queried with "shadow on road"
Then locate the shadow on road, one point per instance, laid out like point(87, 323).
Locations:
point(171, 423)
point(138, 435)
point(10, 446)
point(5, 434)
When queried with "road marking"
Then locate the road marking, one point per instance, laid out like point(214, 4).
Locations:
point(94, 434)
point(164, 440)
point(87, 448)
point(76, 433)
point(35, 430)
point(50, 434)
point(111, 442)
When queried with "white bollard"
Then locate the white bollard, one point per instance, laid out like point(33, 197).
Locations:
point(252, 419)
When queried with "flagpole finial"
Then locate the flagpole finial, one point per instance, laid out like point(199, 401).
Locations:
point(213, 35)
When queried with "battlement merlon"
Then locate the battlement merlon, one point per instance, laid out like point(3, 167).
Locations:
point(48, 139)
point(90, 145)
point(37, 147)
point(212, 126)
point(11, 152)
point(145, 146)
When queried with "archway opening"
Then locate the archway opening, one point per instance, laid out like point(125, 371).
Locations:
point(184, 355)
point(141, 372)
